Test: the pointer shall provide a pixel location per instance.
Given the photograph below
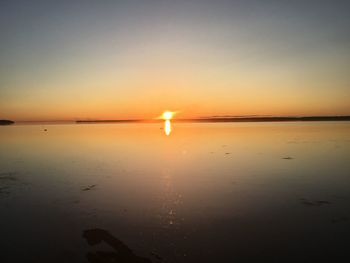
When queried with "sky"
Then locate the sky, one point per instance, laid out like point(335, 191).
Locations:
point(68, 60)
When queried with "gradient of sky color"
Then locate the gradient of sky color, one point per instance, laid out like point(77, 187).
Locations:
point(134, 59)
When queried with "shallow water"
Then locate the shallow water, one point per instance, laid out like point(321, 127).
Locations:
point(215, 192)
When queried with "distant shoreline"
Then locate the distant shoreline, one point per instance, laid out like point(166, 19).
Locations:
point(6, 122)
point(230, 119)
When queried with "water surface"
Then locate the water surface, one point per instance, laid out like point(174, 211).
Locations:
point(208, 192)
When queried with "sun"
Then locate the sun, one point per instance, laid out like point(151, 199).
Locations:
point(168, 115)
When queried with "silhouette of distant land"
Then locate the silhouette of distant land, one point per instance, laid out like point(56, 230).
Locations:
point(251, 118)
point(271, 118)
point(118, 121)
point(6, 122)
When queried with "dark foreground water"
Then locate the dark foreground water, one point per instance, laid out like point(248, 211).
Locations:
point(232, 192)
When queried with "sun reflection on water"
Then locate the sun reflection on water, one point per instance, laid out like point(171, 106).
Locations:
point(167, 116)
point(167, 127)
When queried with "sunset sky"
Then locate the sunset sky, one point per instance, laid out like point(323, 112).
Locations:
point(65, 60)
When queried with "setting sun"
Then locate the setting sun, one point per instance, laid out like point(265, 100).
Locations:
point(168, 115)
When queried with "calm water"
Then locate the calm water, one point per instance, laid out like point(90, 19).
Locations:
point(233, 192)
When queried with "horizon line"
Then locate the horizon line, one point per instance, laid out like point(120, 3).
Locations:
point(214, 118)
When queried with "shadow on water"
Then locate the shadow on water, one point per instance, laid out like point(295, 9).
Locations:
point(121, 254)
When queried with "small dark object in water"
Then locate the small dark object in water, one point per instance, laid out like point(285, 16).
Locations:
point(6, 180)
point(314, 203)
point(287, 158)
point(89, 187)
point(45, 129)
point(122, 253)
